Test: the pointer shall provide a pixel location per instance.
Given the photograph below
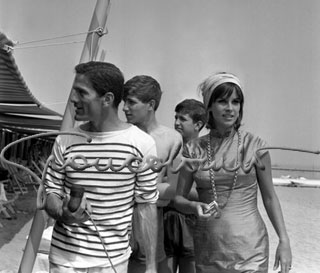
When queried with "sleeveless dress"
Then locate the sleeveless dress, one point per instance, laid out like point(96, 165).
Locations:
point(238, 240)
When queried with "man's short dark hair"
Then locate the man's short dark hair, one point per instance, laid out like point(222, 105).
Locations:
point(104, 77)
point(145, 88)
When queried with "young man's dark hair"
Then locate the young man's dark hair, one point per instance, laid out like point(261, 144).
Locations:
point(104, 77)
point(145, 88)
point(194, 108)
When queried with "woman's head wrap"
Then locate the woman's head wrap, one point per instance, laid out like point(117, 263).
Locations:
point(211, 83)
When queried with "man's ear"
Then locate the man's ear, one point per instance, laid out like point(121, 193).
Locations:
point(152, 103)
point(108, 98)
point(198, 125)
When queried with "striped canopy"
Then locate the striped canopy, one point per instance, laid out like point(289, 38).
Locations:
point(19, 109)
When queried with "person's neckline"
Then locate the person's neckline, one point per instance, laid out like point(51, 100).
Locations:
point(87, 127)
point(228, 133)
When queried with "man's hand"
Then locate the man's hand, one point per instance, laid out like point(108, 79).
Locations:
point(78, 216)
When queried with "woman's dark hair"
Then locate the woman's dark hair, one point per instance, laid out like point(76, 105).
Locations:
point(225, 90)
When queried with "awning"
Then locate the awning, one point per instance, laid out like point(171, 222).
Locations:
point(28, 124)
point(16, 100)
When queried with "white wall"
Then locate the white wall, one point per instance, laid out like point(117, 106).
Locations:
point(273, 46)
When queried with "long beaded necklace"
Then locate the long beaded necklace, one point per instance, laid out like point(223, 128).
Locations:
point(214, 205)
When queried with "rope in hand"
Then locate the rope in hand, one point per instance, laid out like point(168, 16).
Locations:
point(202, 162)
point(41, 193)
point(102, 242)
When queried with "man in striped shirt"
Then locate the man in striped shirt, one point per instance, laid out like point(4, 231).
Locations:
point(95, 237)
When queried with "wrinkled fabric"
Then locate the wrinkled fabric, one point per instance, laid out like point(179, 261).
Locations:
point(238, 240)
point(178, 233)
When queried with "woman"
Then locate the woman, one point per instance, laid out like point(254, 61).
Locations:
point(230, 235)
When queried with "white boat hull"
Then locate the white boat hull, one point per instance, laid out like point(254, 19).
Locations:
point(296, 182)
point(310, 183)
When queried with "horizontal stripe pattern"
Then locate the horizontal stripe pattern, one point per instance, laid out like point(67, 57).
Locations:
point(111, 194)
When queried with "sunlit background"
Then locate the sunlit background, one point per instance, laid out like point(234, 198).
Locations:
point(273, 46)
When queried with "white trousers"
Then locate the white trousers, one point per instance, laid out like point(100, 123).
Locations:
point(120, 268)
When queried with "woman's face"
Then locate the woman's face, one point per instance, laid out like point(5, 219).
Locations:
point(225, 112)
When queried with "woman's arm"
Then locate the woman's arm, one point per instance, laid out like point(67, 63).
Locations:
point(181, 201)
point(273, 208)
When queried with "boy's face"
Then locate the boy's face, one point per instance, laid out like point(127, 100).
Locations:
point(135, 110)
point(185, 126)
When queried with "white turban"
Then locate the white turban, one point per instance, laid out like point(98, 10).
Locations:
point(211, 83)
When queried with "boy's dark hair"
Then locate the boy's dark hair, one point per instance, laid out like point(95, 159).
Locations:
point(194, 108)
point(145, 88)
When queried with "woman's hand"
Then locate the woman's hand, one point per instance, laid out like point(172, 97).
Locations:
point(203, 210)
point(283, 257)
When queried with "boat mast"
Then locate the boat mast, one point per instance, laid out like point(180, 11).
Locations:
point(89, 52)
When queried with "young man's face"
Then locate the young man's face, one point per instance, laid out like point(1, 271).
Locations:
point(185, 126)
point(88, 104)
point(135, 110)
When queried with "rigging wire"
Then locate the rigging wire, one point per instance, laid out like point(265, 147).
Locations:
point(98, 30)
point(47, 45)
point(17, 45)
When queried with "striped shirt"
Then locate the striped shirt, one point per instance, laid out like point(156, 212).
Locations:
point(110, 188)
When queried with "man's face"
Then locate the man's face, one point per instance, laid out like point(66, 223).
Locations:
point(185, 126)
point(88, 104)
point(135, 110)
